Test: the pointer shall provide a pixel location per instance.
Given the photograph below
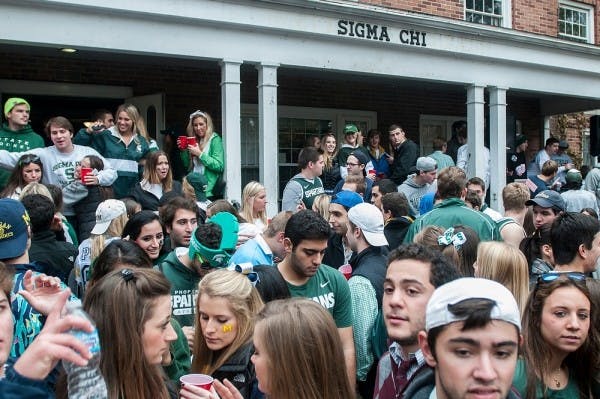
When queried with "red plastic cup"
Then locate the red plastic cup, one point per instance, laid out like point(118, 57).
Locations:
point(198, 380)
point(191, 141)
point(346, 270)
point(372, 172)
point(84, 173)
point(182, 142)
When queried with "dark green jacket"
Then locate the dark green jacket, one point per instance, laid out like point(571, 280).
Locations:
point(180, 355)
point(213, 161)
point(453, 211)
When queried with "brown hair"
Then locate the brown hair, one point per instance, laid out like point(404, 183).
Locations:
point(451, 182)
point(150, 174)
point(61, 122)
point(582, 363)
point(286, 326)
point(6, 279)
point(120, 308)
point(549, 168)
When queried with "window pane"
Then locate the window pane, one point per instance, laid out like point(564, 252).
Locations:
point(478, 5)
point(569, 30)
point(561, 14)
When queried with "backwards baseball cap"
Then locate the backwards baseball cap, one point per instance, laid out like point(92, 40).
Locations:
point(346, 198)
point(198, 182)
point(217, 257)
point(14, 222)
point(11, 102)
point(106, 212)
point(350, 129)
point(362, 158)
point(438, 314)
point(520, 139)
point(548, 199)
point(369, 219)
point(563, 144)
point(426, 164)
point(573, 176)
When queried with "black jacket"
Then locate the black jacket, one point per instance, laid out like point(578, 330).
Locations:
point(371, 263)
point(405, 158)
point(331, 176)
point(395, 230)
point(147, 200)
point(239, 370)
point(334, 253)
point(58, 256)
point(85, 212)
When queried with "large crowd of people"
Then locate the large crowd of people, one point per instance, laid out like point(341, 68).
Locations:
point(386, 274)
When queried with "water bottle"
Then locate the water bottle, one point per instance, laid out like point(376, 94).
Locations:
point(85, 381)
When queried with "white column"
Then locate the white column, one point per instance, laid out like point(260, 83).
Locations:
point(230, 110)
point(497, 145)
point(475, 131)
point(546, 130)
point(267, 136)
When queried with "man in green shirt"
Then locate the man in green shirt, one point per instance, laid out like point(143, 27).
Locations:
point(305, 240)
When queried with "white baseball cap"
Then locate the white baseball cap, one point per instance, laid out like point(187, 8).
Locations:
point(369, 219)
point(437, 313)
point(106, 212)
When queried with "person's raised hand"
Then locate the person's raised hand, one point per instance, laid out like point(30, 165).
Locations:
point(41, 291)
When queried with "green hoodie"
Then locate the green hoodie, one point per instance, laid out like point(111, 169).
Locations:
point(17, 141)
point(184, 288)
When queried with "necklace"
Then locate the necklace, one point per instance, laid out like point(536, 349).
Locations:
point(555, 379)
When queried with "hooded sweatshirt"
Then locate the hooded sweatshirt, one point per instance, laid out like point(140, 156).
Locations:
point(184, 287)
point(414, 192)
point(17, 141)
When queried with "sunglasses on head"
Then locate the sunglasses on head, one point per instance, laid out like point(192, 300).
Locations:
point(553, 276)
point(27, 159)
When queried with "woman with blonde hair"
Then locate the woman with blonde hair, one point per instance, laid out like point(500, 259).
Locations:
point(125, 145)
point(227, 306)
point(298, 354)
point(111, 218)
point(207, 155)
point(132, 311)
point(157, 180)
point(505, 264)
point(254, 201)
point(331, 170)
point(321, 205)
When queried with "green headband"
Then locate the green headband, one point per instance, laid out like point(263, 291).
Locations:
point(217, 257)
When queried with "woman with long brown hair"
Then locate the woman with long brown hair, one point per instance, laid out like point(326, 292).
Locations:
point(331, 171)
point(132, 310)
point(561, 349)
point(157, 180)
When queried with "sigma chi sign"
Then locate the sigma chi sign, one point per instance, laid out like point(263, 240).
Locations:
point(381, 33)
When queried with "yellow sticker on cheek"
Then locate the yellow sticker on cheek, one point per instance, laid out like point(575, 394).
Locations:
point(227, 328)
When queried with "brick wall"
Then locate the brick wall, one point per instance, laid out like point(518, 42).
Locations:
point(533, 16)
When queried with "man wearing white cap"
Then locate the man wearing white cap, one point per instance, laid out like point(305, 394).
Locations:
point(366, 239)
point(471, 340)
point(420, 183)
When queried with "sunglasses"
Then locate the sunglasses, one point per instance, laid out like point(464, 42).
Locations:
point(27, 159)
point(553, 276)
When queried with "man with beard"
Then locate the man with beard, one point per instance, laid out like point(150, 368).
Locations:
point(305, 241)
point(413, 273)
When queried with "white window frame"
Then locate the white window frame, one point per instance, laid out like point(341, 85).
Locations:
point(583, 8)
point(506, 16)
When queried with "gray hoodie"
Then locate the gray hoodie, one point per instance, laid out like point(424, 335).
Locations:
point(414, 192)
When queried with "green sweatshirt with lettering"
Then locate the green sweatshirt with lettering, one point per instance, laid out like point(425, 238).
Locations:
point(17, 141)
point(184, 288)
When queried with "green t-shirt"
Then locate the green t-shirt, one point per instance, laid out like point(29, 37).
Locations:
point(520, 383)
point(329, 288)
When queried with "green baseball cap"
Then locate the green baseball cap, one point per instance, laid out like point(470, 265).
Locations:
point(11, 102)
point(350, 129)
point(198, 182)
